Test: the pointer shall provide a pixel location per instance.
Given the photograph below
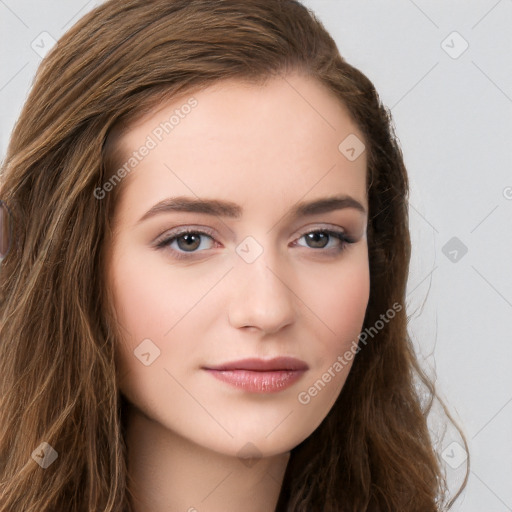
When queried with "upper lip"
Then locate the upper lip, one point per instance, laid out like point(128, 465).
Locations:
point(278, 363)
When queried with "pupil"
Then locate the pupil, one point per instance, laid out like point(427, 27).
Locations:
point(189, 238)
point(315, 236)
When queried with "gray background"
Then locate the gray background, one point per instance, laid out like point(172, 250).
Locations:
point(453, 114)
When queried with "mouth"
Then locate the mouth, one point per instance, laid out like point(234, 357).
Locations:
point(259, 375)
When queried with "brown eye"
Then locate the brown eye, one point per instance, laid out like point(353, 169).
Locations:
point(185, 242)
point(191, 241)
point(320, 238)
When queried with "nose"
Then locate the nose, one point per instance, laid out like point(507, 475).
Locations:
point(261, 297)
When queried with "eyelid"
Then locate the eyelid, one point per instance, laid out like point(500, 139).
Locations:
point(164, 241)
point(180, 230)
point(321, 226)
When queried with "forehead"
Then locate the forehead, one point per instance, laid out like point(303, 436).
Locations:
point(281, 141)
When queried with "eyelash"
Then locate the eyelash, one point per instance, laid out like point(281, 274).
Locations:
point(164, 244)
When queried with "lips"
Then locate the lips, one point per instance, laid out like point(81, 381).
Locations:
point(262, 365)
point(259, 375)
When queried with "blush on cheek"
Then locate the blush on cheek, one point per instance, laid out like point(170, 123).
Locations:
point(346, 309)
point(136, 301)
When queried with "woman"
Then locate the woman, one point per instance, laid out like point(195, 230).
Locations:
point(203, 297)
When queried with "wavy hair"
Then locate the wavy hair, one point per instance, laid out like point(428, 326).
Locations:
point(58, 386)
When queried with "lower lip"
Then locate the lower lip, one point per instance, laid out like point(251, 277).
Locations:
point(258, 382)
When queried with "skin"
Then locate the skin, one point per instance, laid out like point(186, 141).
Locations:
point(265, 148)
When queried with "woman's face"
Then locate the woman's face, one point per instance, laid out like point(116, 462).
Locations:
point(232, 164)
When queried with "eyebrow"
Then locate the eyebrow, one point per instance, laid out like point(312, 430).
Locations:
point(232, 210)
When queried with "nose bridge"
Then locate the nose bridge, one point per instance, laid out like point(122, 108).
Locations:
point(261, 296)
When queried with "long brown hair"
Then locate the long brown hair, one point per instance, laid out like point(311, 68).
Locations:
point(59, 391)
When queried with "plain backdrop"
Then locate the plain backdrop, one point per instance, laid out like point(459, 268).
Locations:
point(444, 69)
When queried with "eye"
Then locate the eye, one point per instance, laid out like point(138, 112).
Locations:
point(186, 241)
point(189, 241)
point(320, 239)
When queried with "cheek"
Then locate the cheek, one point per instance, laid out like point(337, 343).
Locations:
point(143, 302)
point(348, 301)
point(341, 302)
point(341, 305)
point(143, 313)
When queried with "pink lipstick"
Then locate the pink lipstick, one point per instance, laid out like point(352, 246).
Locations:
point(259, 375)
